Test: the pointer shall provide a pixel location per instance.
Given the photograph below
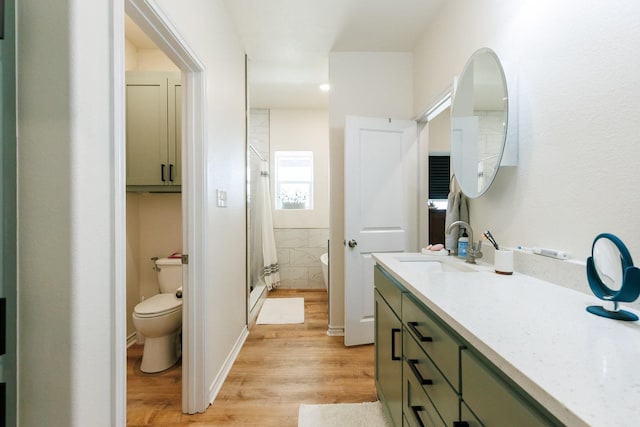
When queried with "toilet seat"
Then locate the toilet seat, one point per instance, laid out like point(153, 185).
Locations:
point(158, 305)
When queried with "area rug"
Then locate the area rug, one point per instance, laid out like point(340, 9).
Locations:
point(368, 414)
point(279, 311)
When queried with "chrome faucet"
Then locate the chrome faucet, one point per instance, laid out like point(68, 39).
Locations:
point(473, 250)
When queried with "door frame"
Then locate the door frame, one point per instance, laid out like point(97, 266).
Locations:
point(150, 18)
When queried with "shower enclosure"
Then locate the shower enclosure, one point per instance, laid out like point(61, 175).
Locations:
point(262, 266)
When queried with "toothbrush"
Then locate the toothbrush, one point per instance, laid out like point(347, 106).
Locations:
point(546, 252)
point(487, 235)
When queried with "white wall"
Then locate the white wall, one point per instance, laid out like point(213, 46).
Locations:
point(440, 133)
point(206, 29)
point(65, 210)
point(306, 130)
point(373, 84)
point(579, 109)
point(154, 60)
point(66, 202)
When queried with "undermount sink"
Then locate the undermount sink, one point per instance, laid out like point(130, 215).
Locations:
point(430, 265)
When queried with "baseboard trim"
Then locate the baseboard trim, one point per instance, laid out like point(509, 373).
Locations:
point(131, 340)
point(215, 387)
point(335, 332)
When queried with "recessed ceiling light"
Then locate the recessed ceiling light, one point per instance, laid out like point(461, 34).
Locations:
point(325, 87)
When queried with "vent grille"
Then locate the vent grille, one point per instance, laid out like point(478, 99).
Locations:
point(439, 175)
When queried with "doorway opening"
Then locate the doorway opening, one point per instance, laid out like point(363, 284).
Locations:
point(190, 204)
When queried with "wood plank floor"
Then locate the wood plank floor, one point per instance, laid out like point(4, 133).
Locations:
point(279, 367)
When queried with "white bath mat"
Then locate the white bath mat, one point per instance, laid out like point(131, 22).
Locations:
point(278, 311)
point(368, 414)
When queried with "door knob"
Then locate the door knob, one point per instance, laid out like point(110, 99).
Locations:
point(352, 243)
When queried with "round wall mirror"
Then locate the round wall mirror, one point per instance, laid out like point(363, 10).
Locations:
point(479, 115)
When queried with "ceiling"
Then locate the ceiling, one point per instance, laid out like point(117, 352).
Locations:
point(288, 41)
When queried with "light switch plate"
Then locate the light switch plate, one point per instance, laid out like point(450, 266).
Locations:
point(221, 197)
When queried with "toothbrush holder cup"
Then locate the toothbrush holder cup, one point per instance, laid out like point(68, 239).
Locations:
point(503, 261)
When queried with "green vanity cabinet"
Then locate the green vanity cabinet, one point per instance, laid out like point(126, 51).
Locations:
point(428, 375)
point(431, 357)
point(417, 408)
point(493, 401)
point(388, 345)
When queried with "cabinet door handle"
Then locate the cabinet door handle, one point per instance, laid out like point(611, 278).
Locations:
point(394, 331)
point(414, 329)
point(418, 375)
point(460, 424)
point(162, 168)
point(171, 172)
point(415, 410)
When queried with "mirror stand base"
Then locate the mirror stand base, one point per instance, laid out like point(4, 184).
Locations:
point(618, 315)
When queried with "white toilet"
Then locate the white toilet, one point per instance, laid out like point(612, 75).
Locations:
point(159, 318)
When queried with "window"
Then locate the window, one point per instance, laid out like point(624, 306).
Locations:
point(294, 179)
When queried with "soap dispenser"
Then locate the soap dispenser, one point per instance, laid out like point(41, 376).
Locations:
point(463, 242)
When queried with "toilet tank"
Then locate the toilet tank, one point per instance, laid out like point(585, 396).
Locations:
point(169, 274)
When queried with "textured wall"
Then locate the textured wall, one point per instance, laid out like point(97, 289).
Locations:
point(579, 109)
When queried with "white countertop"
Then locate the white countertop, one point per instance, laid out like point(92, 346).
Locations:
point(583, 368)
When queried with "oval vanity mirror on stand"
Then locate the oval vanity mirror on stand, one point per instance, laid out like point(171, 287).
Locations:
point(483, 123)
point(612, 276)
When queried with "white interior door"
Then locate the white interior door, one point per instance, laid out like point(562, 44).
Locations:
point(381, 209)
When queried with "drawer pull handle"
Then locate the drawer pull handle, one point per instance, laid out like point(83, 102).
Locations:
point(394, 331)
point(418, 375)
point(460, 424)
point(414, 328)
point(415, 410)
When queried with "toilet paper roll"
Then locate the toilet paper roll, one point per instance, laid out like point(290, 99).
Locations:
point(503, 262)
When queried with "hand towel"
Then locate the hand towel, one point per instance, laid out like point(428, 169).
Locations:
point(457, 210)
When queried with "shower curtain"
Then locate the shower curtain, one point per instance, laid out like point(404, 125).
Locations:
point(271, 271)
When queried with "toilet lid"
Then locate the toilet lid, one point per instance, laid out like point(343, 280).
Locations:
point(158, 304)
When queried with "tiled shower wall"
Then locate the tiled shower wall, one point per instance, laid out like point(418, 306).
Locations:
point(299, 251)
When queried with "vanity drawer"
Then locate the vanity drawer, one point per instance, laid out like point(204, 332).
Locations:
point(417, 409)
point(424, 373)
point(493, 401)
point(467, 416)
point(433, 338)
point(388, 288)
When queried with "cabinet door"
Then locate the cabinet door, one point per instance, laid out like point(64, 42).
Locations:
point(174, 131)
point(467, 417)
point(146, 129)
point(493, 401)
point(388, 289)
point(388, 351)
